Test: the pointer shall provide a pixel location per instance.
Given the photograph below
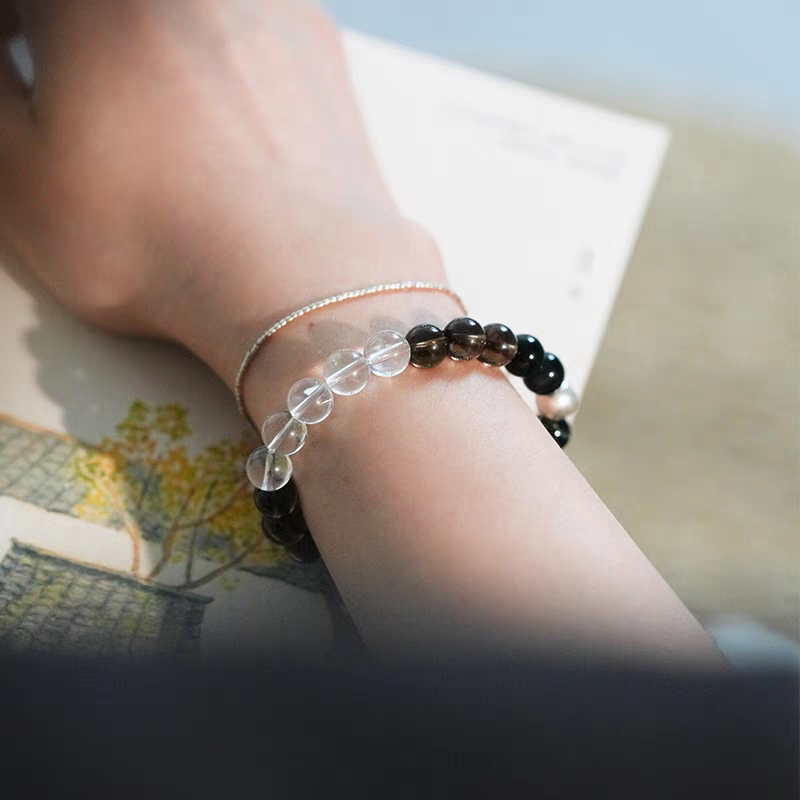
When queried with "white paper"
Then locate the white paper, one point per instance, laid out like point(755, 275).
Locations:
point(534, 199)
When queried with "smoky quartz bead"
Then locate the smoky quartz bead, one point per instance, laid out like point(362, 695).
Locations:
point(277, 504)
point(428, 345)
point(500, 347)
point(303, 552)
point(558, 428)
point(465, 338)
point(285, 531)
point(547, 377)
point(529, 357)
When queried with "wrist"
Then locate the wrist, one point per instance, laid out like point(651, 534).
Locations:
point(220, 317)
point(300, 349)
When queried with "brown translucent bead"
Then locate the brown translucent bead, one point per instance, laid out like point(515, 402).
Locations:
point(465, 338)
point(500, 347)
point(428, 345)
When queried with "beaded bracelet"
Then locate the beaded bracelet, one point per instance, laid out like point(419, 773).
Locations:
point(388, 353)
point(325, 302)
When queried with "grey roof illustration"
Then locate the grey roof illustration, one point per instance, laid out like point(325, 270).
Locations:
point(35, 466)
point(49, 603)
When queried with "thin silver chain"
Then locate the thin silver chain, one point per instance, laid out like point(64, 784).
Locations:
point(352, 294)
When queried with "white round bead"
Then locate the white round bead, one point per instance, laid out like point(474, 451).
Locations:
point(310, 400)
point(388, 353)
point(346, 372)
point(283, 434)
point(560, 404)
point(268, 471)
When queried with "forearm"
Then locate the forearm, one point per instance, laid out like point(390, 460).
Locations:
point(446, 514)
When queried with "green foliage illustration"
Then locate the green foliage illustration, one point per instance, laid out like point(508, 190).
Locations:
point(197, 508)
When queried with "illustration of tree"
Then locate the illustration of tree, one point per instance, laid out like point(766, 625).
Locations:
point(197, 507)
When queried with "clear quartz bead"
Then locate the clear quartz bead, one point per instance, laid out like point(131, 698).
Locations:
point(559, 404)
point(283, 434)
point(388, 353)
point(268, 471)
point(346, 372)
point(310, 400)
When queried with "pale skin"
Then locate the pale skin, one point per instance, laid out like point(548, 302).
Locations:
point(192, 170)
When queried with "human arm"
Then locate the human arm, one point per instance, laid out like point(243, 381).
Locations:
point(191, 171)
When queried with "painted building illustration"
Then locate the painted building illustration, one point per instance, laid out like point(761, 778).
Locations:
point(49, 603)
point(193, 510)
point(35, 466)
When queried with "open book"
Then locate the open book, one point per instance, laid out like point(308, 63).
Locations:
point(126, 526)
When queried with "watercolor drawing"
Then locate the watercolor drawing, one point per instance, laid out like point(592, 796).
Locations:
point(193, 511)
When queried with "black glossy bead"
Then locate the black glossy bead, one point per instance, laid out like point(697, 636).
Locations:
point(465, 338)
point(529, 357)
point(428, 345)
point(276, 504)
point(304, 552)
point(500, 347)
point(287, 530)
point(547, 377)
point(558, 429)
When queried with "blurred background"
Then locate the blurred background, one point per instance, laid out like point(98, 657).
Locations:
point(689, 426)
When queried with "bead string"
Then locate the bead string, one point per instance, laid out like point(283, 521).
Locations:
point(424, 346)
point(352, 294)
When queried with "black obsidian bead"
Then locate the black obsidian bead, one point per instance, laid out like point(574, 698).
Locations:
point(304, 552)
point(547, 377)
point(285, 531)
point(428, 345)
point(529, 357)
point(276, 504)
point(500, 347)
point(465, 338)
point(558, 429)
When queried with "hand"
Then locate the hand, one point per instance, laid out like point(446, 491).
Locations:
point(191, 170)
